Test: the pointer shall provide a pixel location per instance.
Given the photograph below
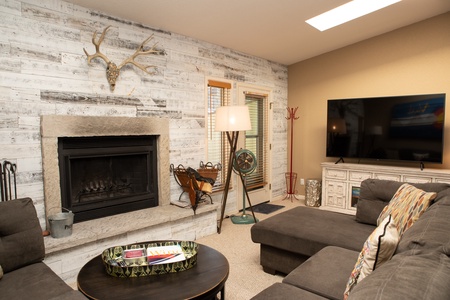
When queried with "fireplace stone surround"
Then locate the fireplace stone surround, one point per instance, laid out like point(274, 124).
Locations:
point(55, 126)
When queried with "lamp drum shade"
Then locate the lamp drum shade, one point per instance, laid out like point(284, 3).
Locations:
point(233, 118)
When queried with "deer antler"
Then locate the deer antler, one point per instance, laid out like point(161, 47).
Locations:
point(97, 47)
point(140, 51)
point(113, 71)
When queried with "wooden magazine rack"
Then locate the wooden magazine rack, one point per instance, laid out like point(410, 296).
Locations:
point(197, 183)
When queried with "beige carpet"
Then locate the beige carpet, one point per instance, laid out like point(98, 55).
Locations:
point(246, 277)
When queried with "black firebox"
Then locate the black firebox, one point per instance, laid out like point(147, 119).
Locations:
point(107, 175)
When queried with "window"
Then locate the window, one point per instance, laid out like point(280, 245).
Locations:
point(256, 139)
point(219, 94)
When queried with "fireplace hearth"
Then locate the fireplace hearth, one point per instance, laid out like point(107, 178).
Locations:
point(107, 175)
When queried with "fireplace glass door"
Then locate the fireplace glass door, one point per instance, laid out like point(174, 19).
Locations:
point(103, 176)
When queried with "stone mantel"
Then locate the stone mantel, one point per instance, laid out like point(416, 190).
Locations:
point(54, 126)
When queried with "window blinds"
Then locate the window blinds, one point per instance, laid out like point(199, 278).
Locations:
point(219, 94)
point(256, 139)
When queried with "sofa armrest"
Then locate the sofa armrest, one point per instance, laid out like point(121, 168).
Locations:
point(21, 240)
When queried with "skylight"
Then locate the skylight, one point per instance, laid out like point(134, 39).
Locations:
point(347, 12)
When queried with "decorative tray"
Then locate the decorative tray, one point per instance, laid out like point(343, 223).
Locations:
point(150, 258)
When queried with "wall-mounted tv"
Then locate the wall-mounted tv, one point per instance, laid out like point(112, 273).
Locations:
point(402, 128)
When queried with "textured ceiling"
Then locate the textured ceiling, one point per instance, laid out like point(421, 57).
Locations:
point(274, 30)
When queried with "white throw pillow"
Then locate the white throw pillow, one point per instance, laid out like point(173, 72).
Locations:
point(378, 248)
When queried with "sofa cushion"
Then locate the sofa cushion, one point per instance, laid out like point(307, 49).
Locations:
point(406, 206)
point(36, 281)
point(281, 291)
point(302, 230)
point(378, 248)
point(442, 196)
point(275, 259)
point(407, 277)
point(325, 273)
point(21, 241)
point(430, 233)
point(367, 211)
point(375, 192)
point(383, 190)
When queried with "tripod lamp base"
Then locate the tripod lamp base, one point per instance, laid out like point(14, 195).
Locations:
point(243, 219)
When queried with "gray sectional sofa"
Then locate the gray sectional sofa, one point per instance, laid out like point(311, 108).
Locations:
point(22, 251)
point(318, 249)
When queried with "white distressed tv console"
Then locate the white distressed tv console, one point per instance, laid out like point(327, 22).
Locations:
point(341, 182)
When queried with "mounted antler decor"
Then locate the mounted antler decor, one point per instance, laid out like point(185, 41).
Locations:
point(112, 70)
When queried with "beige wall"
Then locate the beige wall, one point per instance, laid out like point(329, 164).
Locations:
point(411, 60)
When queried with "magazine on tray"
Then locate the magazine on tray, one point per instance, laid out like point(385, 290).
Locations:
point(164, 254)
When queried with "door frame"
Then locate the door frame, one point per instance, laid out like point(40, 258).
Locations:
point(264, 194)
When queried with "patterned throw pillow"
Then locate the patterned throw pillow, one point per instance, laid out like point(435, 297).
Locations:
point(406, 206)
point(378, 248)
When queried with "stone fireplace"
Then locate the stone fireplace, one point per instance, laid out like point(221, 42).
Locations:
point(144, 132)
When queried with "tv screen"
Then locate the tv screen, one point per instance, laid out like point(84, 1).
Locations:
point(405, 128)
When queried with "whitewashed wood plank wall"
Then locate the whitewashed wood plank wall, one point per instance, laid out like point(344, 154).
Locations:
point(43, 70)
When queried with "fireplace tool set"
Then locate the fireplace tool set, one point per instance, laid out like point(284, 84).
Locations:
point(8, 184)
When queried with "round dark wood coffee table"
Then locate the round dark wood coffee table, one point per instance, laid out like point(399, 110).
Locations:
point(203, 281)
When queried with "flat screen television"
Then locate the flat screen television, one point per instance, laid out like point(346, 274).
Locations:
point(400, 128)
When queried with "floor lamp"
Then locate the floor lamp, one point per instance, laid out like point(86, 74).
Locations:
point(232, 119)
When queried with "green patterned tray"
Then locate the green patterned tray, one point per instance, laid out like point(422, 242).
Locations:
point(116, 266)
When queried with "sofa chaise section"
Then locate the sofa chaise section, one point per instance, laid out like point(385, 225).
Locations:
point(290, 238)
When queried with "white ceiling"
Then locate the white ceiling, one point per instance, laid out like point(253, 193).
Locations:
point(270, 29)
